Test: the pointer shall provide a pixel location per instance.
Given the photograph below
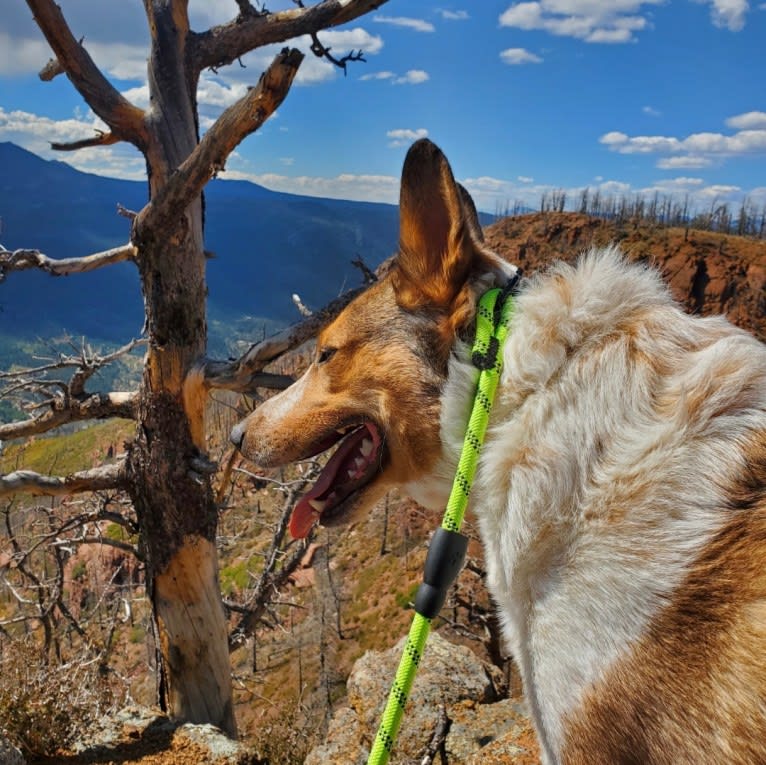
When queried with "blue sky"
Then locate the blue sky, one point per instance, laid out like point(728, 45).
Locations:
point(624, 96)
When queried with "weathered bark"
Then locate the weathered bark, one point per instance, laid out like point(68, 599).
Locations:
point(176, 510)
point(94, 406)
point(21, 260)
point(38, 485)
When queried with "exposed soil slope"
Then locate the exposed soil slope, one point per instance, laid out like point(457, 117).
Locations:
point(709, 272)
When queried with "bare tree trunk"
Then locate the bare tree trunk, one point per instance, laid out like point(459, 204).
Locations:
point(176, 510)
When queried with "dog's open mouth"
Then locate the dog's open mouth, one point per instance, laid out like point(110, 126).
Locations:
point(357, 460)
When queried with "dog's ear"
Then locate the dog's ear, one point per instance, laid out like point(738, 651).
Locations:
point(439, 231)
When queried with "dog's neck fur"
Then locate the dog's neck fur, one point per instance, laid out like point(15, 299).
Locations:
point(581, 554)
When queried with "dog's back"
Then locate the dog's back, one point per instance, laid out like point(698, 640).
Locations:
point(623, 507)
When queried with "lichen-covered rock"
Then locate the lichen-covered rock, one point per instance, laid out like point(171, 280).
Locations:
point(450, 678)
point(9, 754)
point(447, 674)
point(490, 734)
point(345, 742)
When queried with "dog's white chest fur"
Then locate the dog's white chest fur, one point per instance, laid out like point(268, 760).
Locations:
point(600, 479)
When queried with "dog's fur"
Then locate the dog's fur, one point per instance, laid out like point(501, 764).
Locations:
point(621, 491)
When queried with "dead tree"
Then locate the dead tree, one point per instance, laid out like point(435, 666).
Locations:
point(165, 471)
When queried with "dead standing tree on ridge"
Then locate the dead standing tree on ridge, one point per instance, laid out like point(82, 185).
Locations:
point(165, 472)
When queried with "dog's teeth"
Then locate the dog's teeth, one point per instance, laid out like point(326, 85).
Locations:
point(317, 504)
point(352, 473)
point(366, 448)
point(359, 462)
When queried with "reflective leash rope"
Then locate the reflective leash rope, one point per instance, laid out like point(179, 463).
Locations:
point(446, 552)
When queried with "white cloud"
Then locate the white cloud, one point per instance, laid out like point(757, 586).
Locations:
point(35, 133)
point(412, 77)
point(728, 14)
point(22, 56)
point(697, 149)
point(377, 76)
point(687, 162)
point(524, 179)
point(419, 25)
point(370, 188)
point(651, 111)
point(453, 15)
point(589, 20)
point(748, 121)
point(517, 56)
point(405, 136)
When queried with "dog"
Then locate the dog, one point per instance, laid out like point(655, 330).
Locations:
point(621, 489)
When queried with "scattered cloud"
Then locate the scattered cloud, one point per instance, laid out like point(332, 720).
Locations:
point(516, 56)
point(412, 77)
point(499, 195)
point(688, 162)
point(377, 76)
point(35, 133)
point(651, 111)
point(369, 188)
point(588, 20)
point(697, 149)
point(22, 56)
point(287, 161)
point(728, 14)
point(419, 25)
point(524, 179)
point(405, 136)
point(748, 121)
point(453, 15)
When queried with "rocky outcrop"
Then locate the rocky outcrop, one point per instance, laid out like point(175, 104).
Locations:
point(453, 707)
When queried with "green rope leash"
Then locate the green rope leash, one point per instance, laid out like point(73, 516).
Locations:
point(447, 550)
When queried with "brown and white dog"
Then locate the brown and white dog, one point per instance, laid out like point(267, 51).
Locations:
point(621, 492)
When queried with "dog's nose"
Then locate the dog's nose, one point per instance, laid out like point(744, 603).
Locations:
point(237, 435)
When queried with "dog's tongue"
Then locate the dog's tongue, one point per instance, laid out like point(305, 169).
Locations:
point(329, 485)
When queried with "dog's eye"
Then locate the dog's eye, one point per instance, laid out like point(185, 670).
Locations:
point(325, 354)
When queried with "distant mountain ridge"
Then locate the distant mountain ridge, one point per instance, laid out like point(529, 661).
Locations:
point(268, 245)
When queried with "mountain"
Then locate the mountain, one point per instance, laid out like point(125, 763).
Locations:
point(267, 244)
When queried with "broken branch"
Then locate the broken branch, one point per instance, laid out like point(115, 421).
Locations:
point(124, 118)
point(224, 44)
point(102, 138)
point(97, 406)
point(245, 373)
point(22, 260)
point(97, 479)
point(209, 157)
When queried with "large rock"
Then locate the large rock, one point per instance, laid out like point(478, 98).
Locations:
point(9, 754)
point(450, 678)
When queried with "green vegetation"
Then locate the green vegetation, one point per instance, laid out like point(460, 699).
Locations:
point(64, 454)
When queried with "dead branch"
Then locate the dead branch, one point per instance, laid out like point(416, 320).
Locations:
point(97, 406)
point(273, 576)
point(124, 119)
point(224, 44)
point(102, 138)
point(209, 156)
point(63, 402)
point(245, 374)
point(320, 51)
point(96, 479)
point(22, 260)
point(51, 70)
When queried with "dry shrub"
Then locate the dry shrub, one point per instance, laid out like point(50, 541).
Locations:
point(45, 707)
